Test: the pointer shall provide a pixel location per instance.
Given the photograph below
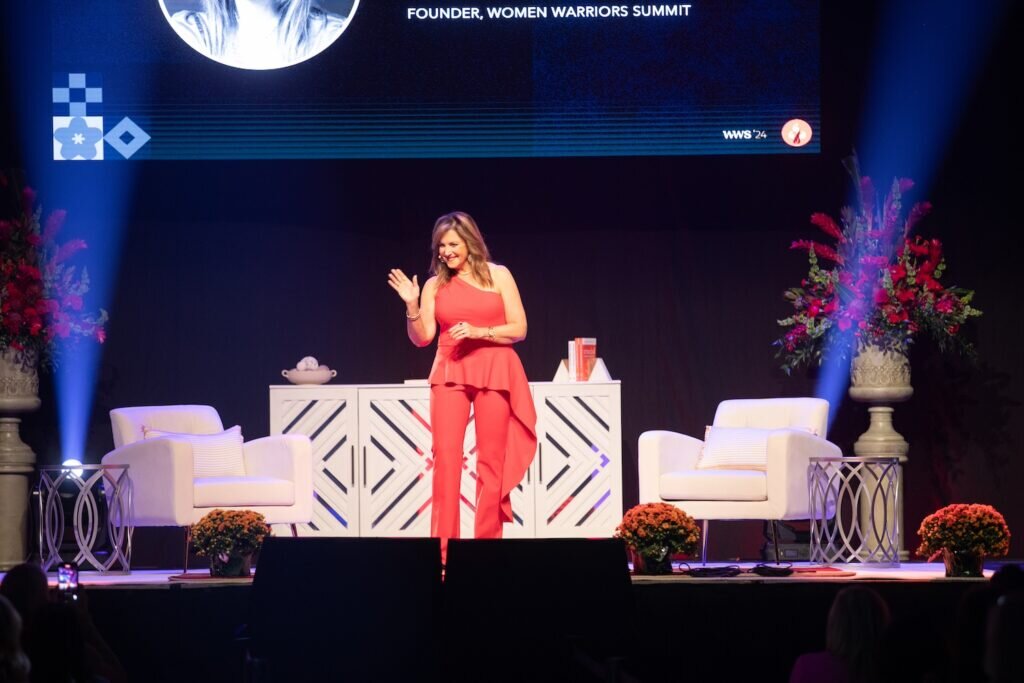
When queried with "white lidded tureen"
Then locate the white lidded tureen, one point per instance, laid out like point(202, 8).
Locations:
point(309, 371)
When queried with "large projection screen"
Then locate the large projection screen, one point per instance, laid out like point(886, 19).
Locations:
point(294, 79)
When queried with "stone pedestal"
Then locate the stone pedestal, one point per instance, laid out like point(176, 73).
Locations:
point(19, 393)
point(16, 467)
point(880, 438)
point(882, 378)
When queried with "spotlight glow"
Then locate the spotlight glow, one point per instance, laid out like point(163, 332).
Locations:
point(74, 466)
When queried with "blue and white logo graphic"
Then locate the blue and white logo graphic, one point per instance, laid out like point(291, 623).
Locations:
point(77, 117)
point(78, 121)
point(78, 138)
point(126, 137)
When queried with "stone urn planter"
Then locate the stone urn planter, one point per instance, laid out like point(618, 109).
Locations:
point(881, 377)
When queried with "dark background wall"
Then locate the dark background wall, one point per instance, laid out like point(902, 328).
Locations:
point(231, 271)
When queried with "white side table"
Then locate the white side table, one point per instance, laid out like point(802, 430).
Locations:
point(102, 500)
point(854, 509)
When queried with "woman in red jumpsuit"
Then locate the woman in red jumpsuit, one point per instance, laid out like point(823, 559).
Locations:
point(474, 308)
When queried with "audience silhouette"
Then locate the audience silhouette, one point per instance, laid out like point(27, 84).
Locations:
point(14, 665)
point(60, 639)
point(1004, 659)
point(855, 625)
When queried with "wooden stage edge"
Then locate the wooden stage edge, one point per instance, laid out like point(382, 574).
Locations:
point(155, 579)
point(166, 630)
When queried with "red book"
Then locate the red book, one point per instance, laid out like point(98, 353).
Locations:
point(586, 357)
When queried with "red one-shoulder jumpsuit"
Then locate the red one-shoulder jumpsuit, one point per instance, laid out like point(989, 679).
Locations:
point(489, 376)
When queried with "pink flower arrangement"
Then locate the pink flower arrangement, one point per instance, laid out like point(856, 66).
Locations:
point(878, 282)
point(963, 528)
point(41, 294)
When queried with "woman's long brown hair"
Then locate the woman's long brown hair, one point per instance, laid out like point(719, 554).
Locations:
point(466, 228)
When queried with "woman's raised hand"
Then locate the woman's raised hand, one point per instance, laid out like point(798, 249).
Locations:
point(408, 289)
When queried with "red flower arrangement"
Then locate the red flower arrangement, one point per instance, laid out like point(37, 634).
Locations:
point(41, 295)
point(963, 528)
point(880, 283)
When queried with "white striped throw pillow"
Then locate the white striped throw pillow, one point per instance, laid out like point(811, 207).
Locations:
point(734, 448)
point(213, 455)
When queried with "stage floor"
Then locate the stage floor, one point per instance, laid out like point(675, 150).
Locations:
point(804, 572)
point(167, 629)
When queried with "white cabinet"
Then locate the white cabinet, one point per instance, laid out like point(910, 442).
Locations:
point(374, 465)
point(395, 461)
point(328, 415)
point(578, 466)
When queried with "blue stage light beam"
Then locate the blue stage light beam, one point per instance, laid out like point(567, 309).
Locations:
point(96, 197)
point(95, 194)
point(928, 56)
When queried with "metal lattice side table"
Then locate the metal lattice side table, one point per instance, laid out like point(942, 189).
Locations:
point(854, 510)
point(102, 500)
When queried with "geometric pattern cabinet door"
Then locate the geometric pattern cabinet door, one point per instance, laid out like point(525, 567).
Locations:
point(328, 416)
point(578, 468)
point(395, 461)
point(396, 466)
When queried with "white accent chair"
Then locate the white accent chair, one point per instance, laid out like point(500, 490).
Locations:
point(668, 472)
point(278, 480)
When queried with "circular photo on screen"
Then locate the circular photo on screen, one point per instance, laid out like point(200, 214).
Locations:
point(259, 34)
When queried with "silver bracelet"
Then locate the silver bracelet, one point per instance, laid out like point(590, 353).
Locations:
point(412, 318)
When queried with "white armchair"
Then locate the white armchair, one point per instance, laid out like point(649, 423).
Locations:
point(277, 482)
point(668, 469)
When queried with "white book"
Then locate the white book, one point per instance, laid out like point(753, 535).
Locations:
point(572, 360)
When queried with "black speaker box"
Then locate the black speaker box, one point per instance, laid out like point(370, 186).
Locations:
point(353, 609)
point(536, 609)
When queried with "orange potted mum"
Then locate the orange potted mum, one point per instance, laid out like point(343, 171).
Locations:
point(654, 532)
